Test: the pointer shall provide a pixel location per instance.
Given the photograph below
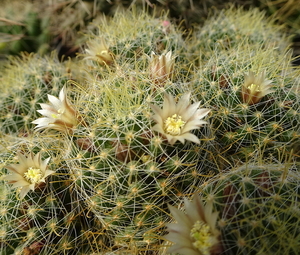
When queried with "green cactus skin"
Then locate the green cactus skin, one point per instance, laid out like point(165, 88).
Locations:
point(258, 208)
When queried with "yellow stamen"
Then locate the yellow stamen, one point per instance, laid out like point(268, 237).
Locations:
point(60, 111)
point(56, 116)
point(254, 88)
point(33, 175)
point(103, 52)
point(173, 125)
point(202, 236)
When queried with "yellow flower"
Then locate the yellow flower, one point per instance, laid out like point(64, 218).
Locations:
point(161, 67)
point(195, 232)
point(28, 173)
point(175, 121)
point(255, 88)
point(60, 115)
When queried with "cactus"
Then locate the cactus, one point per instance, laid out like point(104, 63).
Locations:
point(44, 223)
point(250, 117)
point(25, 82)
point(234, 28)
point(258, 207)
point(114, 178)
point(132, 132)
point(114, 175)
point(127, 40)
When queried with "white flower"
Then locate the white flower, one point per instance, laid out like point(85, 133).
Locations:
point(161, 67)
point(255, 88)
point(195, 232)
point(28, 173)
point(175, 121)
point(60, 115)
point(98, 51)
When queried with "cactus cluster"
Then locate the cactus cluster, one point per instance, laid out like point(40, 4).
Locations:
point(94, 150)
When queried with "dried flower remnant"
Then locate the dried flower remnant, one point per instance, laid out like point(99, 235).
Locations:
point(60, 115)
point(195, 232)
point(175, 120)
point(161, 67)
point(30, 172)
point(255, 87)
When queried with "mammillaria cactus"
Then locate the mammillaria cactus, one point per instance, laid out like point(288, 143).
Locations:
point(25, 82)
point(134, 132)
point(258, 207)
point(127, 173)
point(254, 102)
point(115, 175)
point(234, 28)
point(125, 41)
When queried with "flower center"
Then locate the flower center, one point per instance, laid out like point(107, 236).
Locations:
point(59, 113)
point(173, 125)
point(103, 52)
point(254, 88)
point(202, 237)
point(33, 175)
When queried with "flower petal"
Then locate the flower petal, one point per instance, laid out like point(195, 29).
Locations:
point(189, 112)
point(47, 113)
point(158, 128)
point(179, 227)
point(195, 124)
point(180, 138)
point(179, 216)
point(157, 113)
point(195, 209)
point(183, 103)
point(55, 102)
point(173, 139)
point(24, 191)
point(48, 107)
point(41, 122)
point(48, 172)
point(168, 106)
point(17, 169)
point(20, 183)
point(62, 95)
point(183, 250)
point(12, 177)
point(191, 137)
point(44, 164)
